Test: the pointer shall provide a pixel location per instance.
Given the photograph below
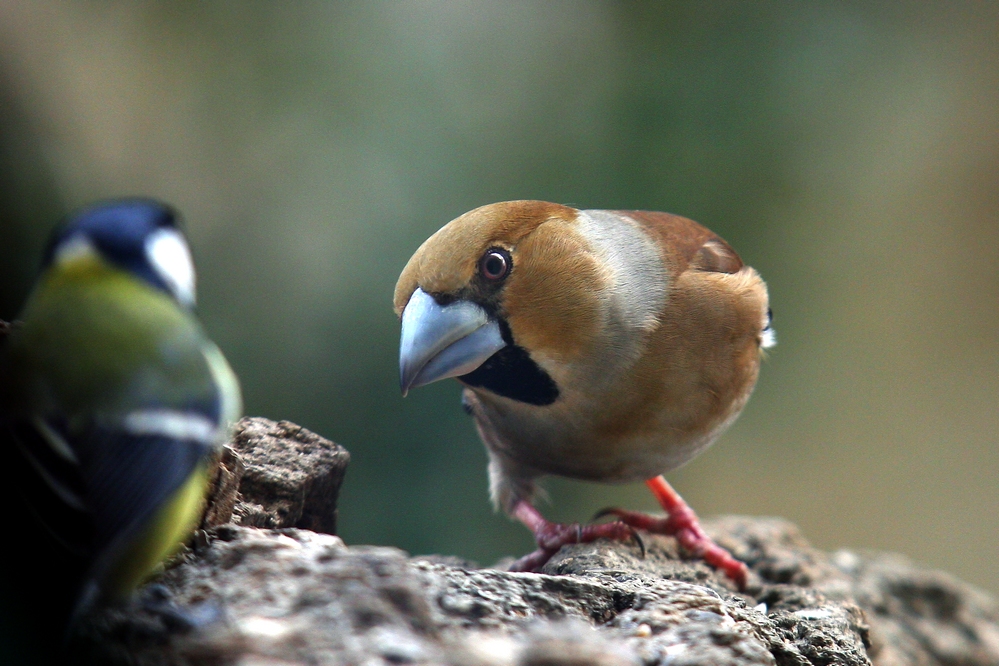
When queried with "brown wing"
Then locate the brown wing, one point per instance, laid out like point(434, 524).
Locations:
point(687, 244)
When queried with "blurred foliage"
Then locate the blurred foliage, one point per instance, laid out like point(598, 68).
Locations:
point(849, 151)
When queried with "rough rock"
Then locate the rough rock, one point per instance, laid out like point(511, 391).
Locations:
point(291, 477)
point(247, 595)
point(223, 493)
point(921, 616)
point(295, 596)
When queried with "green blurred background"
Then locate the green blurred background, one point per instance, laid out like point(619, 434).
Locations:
point(849, 151)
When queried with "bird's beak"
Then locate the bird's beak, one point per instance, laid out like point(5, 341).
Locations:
point(443, 341)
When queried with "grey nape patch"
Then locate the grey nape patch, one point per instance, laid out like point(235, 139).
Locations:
point(638, 283)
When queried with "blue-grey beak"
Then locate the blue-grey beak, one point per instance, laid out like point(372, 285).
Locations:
point(443, 341)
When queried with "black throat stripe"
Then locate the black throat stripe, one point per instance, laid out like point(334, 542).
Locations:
point(511, 373)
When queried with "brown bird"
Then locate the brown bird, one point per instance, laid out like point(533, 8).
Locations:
point(599, 345)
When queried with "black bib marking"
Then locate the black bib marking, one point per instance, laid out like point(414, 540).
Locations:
point(511, 373)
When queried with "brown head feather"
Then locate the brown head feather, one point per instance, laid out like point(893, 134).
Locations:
point(448, 260)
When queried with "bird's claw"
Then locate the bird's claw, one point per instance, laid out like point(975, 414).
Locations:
point(550, 537)
point(618, 513)
point(638, 538)
point(604, 512)
point(684, 526)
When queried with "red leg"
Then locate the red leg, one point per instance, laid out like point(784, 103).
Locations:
point(681, 522)
point(552, 536)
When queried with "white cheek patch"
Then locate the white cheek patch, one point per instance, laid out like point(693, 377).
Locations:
point(77, 247)
point(170, 257)
point(171, 423)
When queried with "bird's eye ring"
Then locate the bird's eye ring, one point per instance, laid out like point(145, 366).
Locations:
point(495, 264)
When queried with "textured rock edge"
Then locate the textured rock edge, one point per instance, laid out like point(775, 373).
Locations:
point(298, 596)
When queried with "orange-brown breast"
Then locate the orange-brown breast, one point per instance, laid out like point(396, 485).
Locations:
point(702, 361)
point(700, 365)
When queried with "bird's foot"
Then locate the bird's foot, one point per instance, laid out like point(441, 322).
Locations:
point(551, 536)
point(684, 526)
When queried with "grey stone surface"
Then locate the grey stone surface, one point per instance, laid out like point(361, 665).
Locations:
point(293, 596)
point(247, 595)
point(920, 616)
point(292, 476)
point(223, 495)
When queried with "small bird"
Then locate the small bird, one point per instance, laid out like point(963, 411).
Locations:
point(114, 397)
point(600, 345)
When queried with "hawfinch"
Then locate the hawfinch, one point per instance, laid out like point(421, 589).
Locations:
point(115, 397)
point(599, 345)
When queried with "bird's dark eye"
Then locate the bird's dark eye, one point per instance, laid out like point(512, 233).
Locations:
point(495, 264)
